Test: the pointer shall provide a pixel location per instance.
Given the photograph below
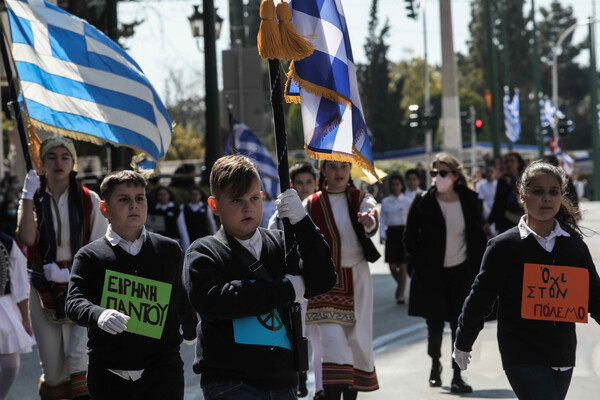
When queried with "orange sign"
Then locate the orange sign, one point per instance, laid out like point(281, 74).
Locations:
point(555, 293)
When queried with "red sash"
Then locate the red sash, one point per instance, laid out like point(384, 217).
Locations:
point(336, 306)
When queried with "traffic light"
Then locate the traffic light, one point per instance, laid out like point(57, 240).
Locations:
point(430, 121)
point(465, 122)
point(410, 9)
point(414, 116)
point(478, 126)
point(565, 126)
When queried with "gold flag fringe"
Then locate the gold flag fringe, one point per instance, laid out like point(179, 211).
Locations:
point(94, 140)
point(268, 38)
point(135, 160)
point(317, 90)
point(34, 146)
point(295, 46)
point(356, 158)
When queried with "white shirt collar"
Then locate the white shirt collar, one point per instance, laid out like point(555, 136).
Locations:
point(165, 206)
point(114, 238)
point(525, 230)
point(254, 244)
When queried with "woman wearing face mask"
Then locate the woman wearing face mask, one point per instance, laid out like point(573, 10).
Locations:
point(445, 242)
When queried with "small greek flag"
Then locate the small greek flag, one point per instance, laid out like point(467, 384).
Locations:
point(332, 115)
point(77, 82)
point(248, 144)
point(512, 119)
point(547, 111)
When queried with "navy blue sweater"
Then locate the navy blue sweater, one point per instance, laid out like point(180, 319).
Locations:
point(159, 259)
point(225, 292)
point(524, 341)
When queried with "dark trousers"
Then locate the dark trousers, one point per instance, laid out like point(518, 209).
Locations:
point(164, 380)
point(538, 382)
point(454, 292)
point(243, 391)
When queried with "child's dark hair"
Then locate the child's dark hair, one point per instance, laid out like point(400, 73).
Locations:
point(323, 180)
point(118, 178)
point(567, 214)
point(519, 158)
point(199, 190)
point(302, 167)
point(396, 177)
point(235, 174)
point(412, 171)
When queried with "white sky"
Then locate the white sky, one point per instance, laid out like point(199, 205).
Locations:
point(164, 41)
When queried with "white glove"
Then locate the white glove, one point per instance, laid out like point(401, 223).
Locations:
point(462, 358)
point(31, 184)
point(290, 206)
point(54, 273)
point(112, 321)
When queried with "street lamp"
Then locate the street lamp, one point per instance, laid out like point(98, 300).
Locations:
point(197, 23)
point(208, 25)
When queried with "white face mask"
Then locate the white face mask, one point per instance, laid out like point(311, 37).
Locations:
point(443, 184)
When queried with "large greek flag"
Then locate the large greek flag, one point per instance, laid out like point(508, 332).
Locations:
point(248, 144)
point(332, 115)
point(77, 82)
point(512, 119)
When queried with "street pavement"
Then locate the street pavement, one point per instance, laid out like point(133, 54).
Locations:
point(400, 349)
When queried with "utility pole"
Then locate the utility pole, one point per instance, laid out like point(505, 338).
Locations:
point(537, 84)
point(492, 76)
point(594, 114)
point(212, 91)
point(237, 29)
point(452, 138)
point(428, 130)
point(505, 57)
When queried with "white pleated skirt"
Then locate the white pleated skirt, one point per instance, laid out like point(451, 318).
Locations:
point(13, 337)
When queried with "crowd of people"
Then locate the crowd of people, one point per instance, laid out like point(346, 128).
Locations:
point(120, 279)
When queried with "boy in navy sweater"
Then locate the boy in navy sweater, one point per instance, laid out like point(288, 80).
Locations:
point(244, 349)
point(126, 289)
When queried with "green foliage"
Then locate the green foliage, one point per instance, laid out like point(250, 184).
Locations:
point(186, 144)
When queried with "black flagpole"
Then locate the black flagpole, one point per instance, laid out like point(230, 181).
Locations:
point(300, 343)
point(14, 102)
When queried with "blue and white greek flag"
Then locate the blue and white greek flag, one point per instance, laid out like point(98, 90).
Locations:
point(332, 115)
point(512, 119)
point(547, 111)
point(248, 144)
point(77, 82)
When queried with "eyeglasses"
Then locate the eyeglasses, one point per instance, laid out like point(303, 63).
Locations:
point(443, 173)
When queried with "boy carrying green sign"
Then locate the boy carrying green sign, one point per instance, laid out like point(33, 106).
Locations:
point(126, 289)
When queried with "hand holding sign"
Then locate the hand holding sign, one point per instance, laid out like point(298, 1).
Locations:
point(112, 321)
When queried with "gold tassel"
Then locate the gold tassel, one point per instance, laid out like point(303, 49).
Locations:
point(295, 46)
point(269, 39)
point(34, 146)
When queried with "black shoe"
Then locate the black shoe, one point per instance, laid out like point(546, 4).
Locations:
point(320, 395)
point(459, 386)
point(435, 376)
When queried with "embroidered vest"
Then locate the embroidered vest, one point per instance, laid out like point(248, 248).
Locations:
point(336, 306)
point(44, 251)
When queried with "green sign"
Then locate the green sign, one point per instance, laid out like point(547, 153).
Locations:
point(146, 301)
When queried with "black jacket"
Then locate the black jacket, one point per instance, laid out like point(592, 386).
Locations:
point(425, 241)
point(159, 259)
point(224, 292)
point(524, 341)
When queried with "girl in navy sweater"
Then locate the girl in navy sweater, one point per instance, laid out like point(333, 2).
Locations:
point(534, 269)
